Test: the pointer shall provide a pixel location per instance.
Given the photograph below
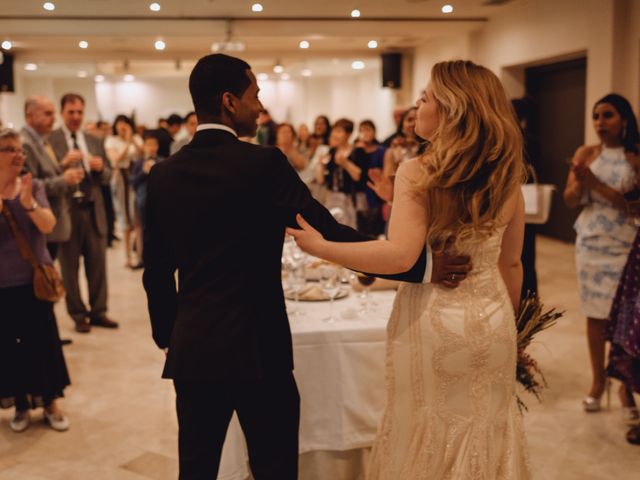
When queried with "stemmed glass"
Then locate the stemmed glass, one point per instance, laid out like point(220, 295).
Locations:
point(366, 281)
point(331, 286)
point(78, 194)
point(293, 260)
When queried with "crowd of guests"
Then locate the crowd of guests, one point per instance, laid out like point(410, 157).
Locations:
point(82, 182)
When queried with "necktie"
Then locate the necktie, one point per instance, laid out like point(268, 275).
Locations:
point(75, 141)
point(75, 145)
point(50, 153)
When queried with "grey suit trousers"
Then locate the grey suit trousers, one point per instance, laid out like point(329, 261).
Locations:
point(87, 242)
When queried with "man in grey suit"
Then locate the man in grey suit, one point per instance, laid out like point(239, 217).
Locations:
point(88, 236)
point(41, 161)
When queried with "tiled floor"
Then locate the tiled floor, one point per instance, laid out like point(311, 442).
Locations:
point(124, 426)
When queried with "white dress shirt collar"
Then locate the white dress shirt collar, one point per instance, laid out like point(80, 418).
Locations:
point(216, 126)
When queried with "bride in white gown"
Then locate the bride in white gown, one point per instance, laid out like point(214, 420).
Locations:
point(451, 410)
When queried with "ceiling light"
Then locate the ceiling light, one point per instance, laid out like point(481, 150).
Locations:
point(256, 7)
point(307, 72)
point(263, 76)
point(99, 78)
point(285, 76)
point(129, 78)
point(358, 65)
point(49, 6)
point(154, 7)
point(278, 68)
point(6, 45)
point(30, 67)
point(160, 45)
point(304, 44)
point(447, 9)
point(82, 74)
point(83, 44)
point(355, 13)
point(372, 44)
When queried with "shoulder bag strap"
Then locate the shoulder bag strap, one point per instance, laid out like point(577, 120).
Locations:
point(23, 245)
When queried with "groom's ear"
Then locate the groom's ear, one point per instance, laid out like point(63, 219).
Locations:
point(229, 102)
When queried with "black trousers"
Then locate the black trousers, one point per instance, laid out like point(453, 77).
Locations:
point(269, 414)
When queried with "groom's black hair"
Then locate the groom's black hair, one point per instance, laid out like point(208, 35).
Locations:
point(212, 76)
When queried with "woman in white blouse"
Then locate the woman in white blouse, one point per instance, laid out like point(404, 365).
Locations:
point(123, 148)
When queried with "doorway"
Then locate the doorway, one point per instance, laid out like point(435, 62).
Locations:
point(558, 91)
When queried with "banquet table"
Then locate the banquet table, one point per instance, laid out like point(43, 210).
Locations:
point(339, 369)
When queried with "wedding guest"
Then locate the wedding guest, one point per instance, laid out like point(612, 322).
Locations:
point(398, 113)
point(190, 123)
point(88, 238)
point(123, 148)
point(304, 141)
point(599, 176)
point(322, 128)
point(522, 107)
point(371, 154)
point(139, 178)
point(33, 372)
point(286, 142)
point(266, 133)
point(340, 174)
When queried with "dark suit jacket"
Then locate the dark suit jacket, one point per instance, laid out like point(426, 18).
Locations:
point(95, 147)
point(216, 212)
point(38, 162)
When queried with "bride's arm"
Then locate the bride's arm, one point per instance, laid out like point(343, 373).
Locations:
point(407, 233)
point(509, 263)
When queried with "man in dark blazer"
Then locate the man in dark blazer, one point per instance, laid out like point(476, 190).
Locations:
point(88, 237)
point(216, 214)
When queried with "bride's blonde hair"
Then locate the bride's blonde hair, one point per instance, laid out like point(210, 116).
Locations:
point(475, 159)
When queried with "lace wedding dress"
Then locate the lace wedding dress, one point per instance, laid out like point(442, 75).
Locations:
point(451, 409)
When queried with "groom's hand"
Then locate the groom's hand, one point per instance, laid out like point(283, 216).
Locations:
point(449, 269)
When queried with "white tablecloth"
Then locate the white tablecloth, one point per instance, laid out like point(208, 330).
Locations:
point(339, 369)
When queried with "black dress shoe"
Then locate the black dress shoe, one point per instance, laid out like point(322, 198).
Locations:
point(83, 326)
point(104, 322)
point(65, 341)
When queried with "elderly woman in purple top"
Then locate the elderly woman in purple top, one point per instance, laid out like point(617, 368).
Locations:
point(32, 368)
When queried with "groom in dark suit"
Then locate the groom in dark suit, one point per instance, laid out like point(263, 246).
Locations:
point(216, 214)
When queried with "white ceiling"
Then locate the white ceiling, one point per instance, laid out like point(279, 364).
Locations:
point(119, 30)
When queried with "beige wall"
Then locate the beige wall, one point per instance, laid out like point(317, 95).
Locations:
point(542, 31)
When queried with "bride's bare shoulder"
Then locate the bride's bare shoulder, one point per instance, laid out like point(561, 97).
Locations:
point(514, 202)
point(411, 169)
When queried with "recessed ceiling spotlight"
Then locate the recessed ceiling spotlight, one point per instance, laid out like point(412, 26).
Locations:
point(263, 76)
point(99, 78)
point(355, 13)
point(6, 45)
point(447, 9)
point(372, 44)
point(285, 76)
point(30, 67)
point(304, 44)
point(307, 72)
point(256, 7)
point(83, 44)
point(129, 78)
point(49, 6)
point(278, 68)
point(358, 65)
point(154, 7)
point(82, 74)
point(160, 45)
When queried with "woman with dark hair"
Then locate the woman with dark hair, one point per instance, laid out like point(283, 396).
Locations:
point(123, 148)
point(322, 128)
point(370, 153)
point(33, 372)
point(600, 175)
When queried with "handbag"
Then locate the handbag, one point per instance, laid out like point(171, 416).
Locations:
point(47, 283)
point(537, 200)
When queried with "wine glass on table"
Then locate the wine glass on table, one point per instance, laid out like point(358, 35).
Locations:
point(366, 281)
point(330, 286)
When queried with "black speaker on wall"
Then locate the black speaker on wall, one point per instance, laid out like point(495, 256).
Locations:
point(392, 70)
point(6, 72)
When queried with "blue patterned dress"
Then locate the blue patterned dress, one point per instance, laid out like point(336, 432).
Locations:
point(604, 235)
